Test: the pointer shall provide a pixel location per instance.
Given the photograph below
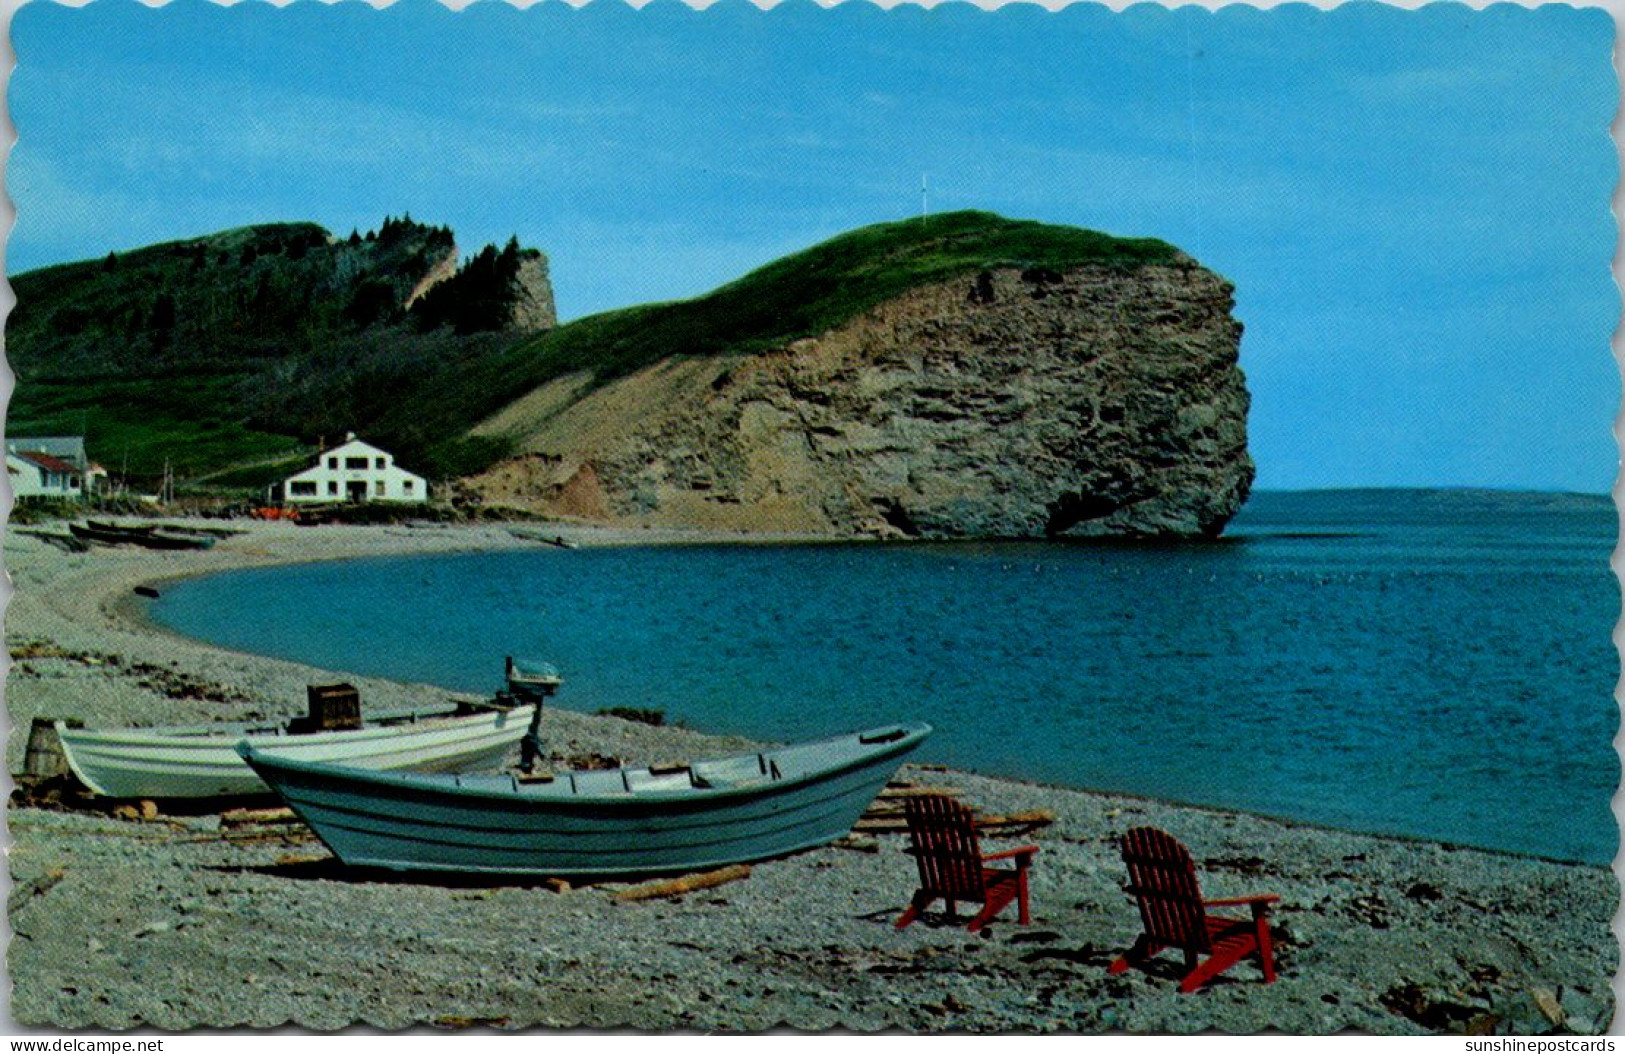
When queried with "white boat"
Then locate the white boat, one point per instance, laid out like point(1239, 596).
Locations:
point(599, 823)
point(200, 762)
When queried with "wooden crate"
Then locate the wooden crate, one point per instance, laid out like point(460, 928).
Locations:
point(333, 707)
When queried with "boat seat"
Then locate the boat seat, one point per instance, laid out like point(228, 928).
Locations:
point(601, 781)
point(730, 772)
point(667, 780)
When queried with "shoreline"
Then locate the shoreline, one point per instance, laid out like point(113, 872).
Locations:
point(131, 611)
point(1341, 884)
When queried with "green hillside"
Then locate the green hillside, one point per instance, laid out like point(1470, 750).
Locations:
point(799, 296)
point(243, 347)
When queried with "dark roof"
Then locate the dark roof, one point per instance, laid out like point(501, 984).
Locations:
point(72, 448)
point(45, 461)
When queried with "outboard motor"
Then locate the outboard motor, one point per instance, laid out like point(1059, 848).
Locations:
point(531, 682)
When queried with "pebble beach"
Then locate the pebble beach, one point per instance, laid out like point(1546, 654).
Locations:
point(176, 921)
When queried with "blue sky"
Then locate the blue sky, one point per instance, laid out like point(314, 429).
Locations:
point(1414, 205)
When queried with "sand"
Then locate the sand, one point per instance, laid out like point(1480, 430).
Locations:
point(170, 923)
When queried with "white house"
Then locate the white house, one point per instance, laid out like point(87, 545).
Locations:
point(71, 449)
point(353, 471)
point(35, 474)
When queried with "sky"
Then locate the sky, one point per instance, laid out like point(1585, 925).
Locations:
point(1413, 205)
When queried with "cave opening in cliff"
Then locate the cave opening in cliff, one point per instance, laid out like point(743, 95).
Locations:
point(1069, 510)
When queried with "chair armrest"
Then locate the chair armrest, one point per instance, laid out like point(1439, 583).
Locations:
point(1257, 898)
point(1027, 851)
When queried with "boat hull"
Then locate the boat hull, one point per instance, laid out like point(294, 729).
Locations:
point(498, 825)
point(147, 537)
point(202, 762)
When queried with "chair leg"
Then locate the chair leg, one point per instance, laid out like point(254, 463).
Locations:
point(1266, 946)
point(994, 904)
point(917, 904)
point(1215, 965)
point(1142, 950)
point(1021, 894)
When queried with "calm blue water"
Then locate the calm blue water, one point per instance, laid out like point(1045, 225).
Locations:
point(1426, 663)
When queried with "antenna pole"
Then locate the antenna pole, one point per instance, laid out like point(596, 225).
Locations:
point(925, 197)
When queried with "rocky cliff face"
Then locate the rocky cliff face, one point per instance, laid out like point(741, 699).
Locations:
point(533, 309)
point(1007, 403)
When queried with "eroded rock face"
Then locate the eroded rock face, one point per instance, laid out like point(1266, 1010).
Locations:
point(533, 302)
point(1006, 404)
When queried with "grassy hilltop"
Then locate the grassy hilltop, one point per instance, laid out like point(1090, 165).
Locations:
point(229, 354)
point(798, 296)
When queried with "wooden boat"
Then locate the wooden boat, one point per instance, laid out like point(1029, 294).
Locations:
point(149, 537)
point(602, 823)
point(199, 761)
point(105, 525)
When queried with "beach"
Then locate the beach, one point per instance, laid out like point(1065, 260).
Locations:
point(171, 922)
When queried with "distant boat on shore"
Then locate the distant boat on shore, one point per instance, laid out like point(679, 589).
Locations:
point(557, 541)
point(199, 761)
point(600, 823)
point(149, 537)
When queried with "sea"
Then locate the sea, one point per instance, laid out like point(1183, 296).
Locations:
point(1435, 664)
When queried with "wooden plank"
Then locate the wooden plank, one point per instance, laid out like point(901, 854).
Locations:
point(893, 823)
point(686, 884)
point(286, 835)
point(915, 792)
point(247, 817)
point(881, 825)
point(1014, 819)
point(857, 843)
point(300, 859)
point(557, 885)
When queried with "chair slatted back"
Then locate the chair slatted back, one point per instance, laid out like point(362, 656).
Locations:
point(946, 848)
point(1162, 877)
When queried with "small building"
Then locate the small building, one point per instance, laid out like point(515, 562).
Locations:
point(353, 471)
point(69, 448)
point(37, 476)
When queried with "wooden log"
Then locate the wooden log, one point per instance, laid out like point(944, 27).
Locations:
point(247, 817)
point(300, 859)
point(557, 885)
point(687, 884)
point(857, 843)
point(917, 792)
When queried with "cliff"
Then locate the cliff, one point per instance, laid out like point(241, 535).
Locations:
point(1099, 398)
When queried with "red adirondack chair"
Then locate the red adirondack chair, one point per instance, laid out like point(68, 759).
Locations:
point(1163, 879)
point(952, 866)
